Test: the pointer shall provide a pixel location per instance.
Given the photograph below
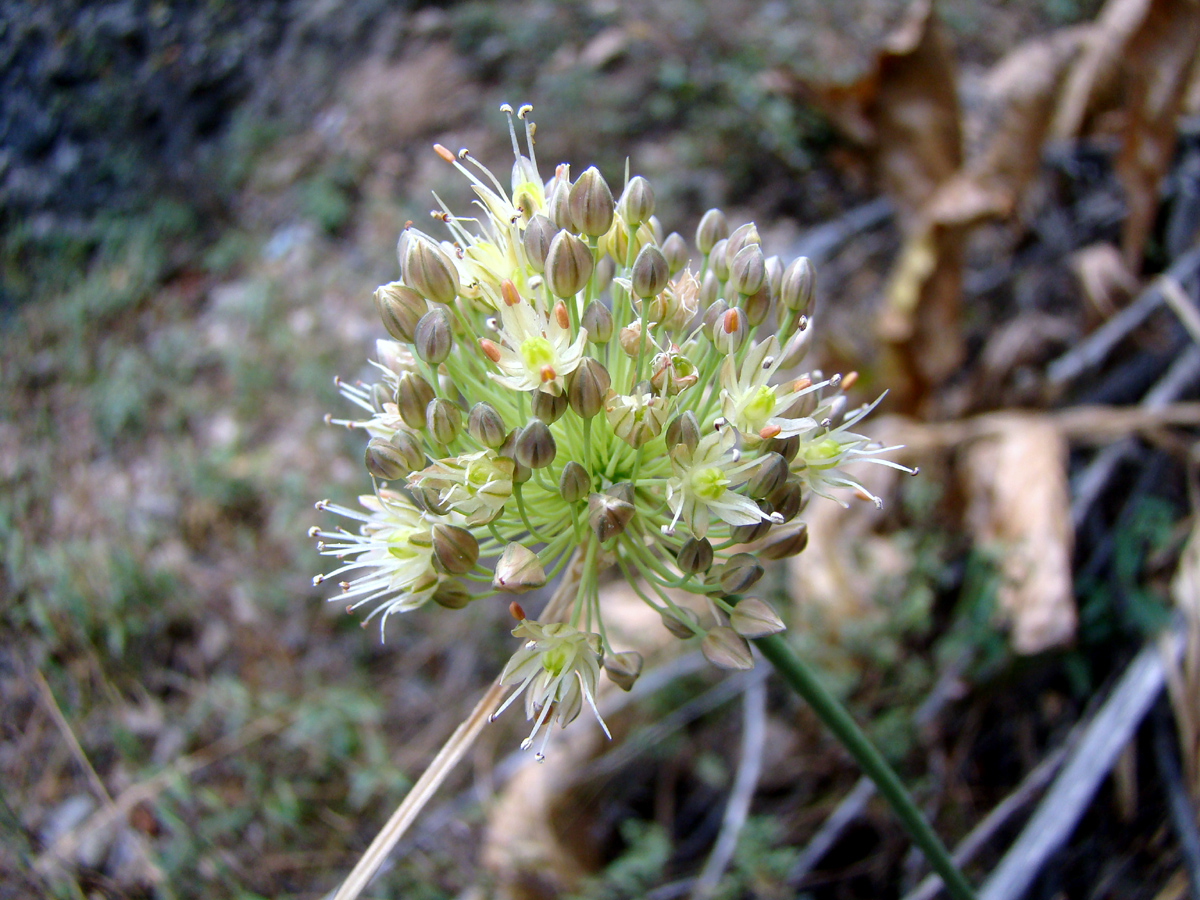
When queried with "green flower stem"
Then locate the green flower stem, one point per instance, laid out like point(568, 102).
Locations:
point(802, 680)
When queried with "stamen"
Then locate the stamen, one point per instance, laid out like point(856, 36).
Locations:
point(547, 374)
point(508, 293)
point(490, 350)
point(801, 384)
point(560, 315)
point(443, 153)
point(769, 431)
point(515, 610)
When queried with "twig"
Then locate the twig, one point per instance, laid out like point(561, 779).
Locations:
point(754, 709)
point(1109, 731)
point(831, 829)
point(1092, 350)
point(1183, 816)
point(1181, 304)
point(68, 734)
point(978, 836)
point(1091, 481)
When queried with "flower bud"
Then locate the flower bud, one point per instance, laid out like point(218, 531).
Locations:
point(609, 513)
point(535, 446)
point(428, 500)
point(429, 272)
point(381, 394)
point(741, 238)
point(400, 308)
point(386, 461)
point(538, 234)
point(518, 570)
point(717, 262)
point(744, 534)
point(712, 228)
point(455, 548)
point(752, 618)
point(712, 315)
point(684, 429)
point(432, 339)
point(630, 338)
point(485, 425)
point(598, 321)
point(675, 249)
point(681, 622)
point(623, 668)
point(757, 305)
point(786, 447)
point(730, 331)
point(574, 483)
point(695, 556)
point(770, 475)
point(450, 594)
point(748, 270)
point(546, 406)
point(591, 204)
point(796, 348)
point(797, 286)
point(774, 275)
point(739, 573)
point(650, 272)
point(637, 418)
point(785, 543)
point(605, 269)
point(568, 265)
point(656, 233)
point(710, 291)
point(558, 210)
point(587, 387)
point(726, 649)
point(413, 394)
point(443, 419)
point(788, 500)
point(637, 201)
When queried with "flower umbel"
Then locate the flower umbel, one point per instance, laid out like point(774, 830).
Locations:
point(565, 381)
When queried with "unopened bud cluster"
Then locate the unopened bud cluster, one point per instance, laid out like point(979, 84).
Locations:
point(564, 380)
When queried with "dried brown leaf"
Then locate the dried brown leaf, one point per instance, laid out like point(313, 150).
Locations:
point(1019, 505)
point(1106, 283)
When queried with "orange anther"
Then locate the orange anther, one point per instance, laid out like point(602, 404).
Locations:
point(548, 374)
point(730, 321)
point(769, 431)
point(801, 383)
point(515, 610)
point(848, 380)
point(490, 350)
point(443, 153)
point(560, 315)
point(508, 292)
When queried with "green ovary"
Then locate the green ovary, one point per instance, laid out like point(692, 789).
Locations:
point(536, 353)
point(821, 454)
point(709, 484)
point(555, 660)
point(759, 407)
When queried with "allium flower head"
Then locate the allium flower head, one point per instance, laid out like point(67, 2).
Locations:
point(565, 381)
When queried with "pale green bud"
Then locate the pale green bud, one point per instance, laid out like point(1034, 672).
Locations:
point(400, 308)
point(717, 262)
point(623, 668)
point(535, 445)
point(429, 272)
point(591, 204)
point(574, 483)
point(788, 499)
point(587, 387)
point(710, 291)
point(713, 315)
point(568, 265)
point(384, 460)
point(605, 269)
point(726, 649)
point(712, 228)
point(558, 209)
point(546, 406)
point(695, 557)
point(748, 270)
point(455, 549)
point(450, 594)
point(678, 622)
point(413, 394)
point(752, 618)
point(443, 419)
point(675, 249)
point(730, 331)
point(742, 237)
point(609, 513)
point(785, 544)
point(798, 284)
point(432, 339)
point(774, 275)
point(771, 474)
point(518, 570)
point(657, 235)
point(757, 305)
point(786, 447)
point(650, 272)
point(598, 321)
point(744, 534)
point(486, 426)
point(684, 429)
point(637, 201)
point(538, 234)
point(739, 573)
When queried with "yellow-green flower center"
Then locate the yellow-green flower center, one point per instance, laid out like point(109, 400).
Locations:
point(759, 407)
point(709, 484)
point(536, 353)
point(821, 454)
point(555, 660)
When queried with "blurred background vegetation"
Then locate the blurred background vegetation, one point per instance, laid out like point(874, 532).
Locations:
point(196, 201)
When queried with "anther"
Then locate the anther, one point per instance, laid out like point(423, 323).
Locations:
point(835, 380)
point(737, 455)
point(490, 350)
point(848, 380)
point(825, 423)
point(801, 383)
point(525, 110)
point(547, 374)
point(768, 362)
point(916, 470)
point(802, 323)
point(344, 585)
point(315, 531)
point(318, 579)
point(506, 108)
point(730, 321)
point(508, 293)
point(516, 611)
point(464, 153)
point(666, 529)
point(443, 153)
point(322, 505)
point(769, 431)
point(719, 423)
point(491, 323)
point(328, 419)
point(560, 315)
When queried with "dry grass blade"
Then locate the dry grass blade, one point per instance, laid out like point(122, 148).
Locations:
point(1108, 733)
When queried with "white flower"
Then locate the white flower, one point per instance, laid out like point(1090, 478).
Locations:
point(704, 484)
point(393, 547)
point(758, 409)
point(536, 352)
point(474, 485)
point(557, 670)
